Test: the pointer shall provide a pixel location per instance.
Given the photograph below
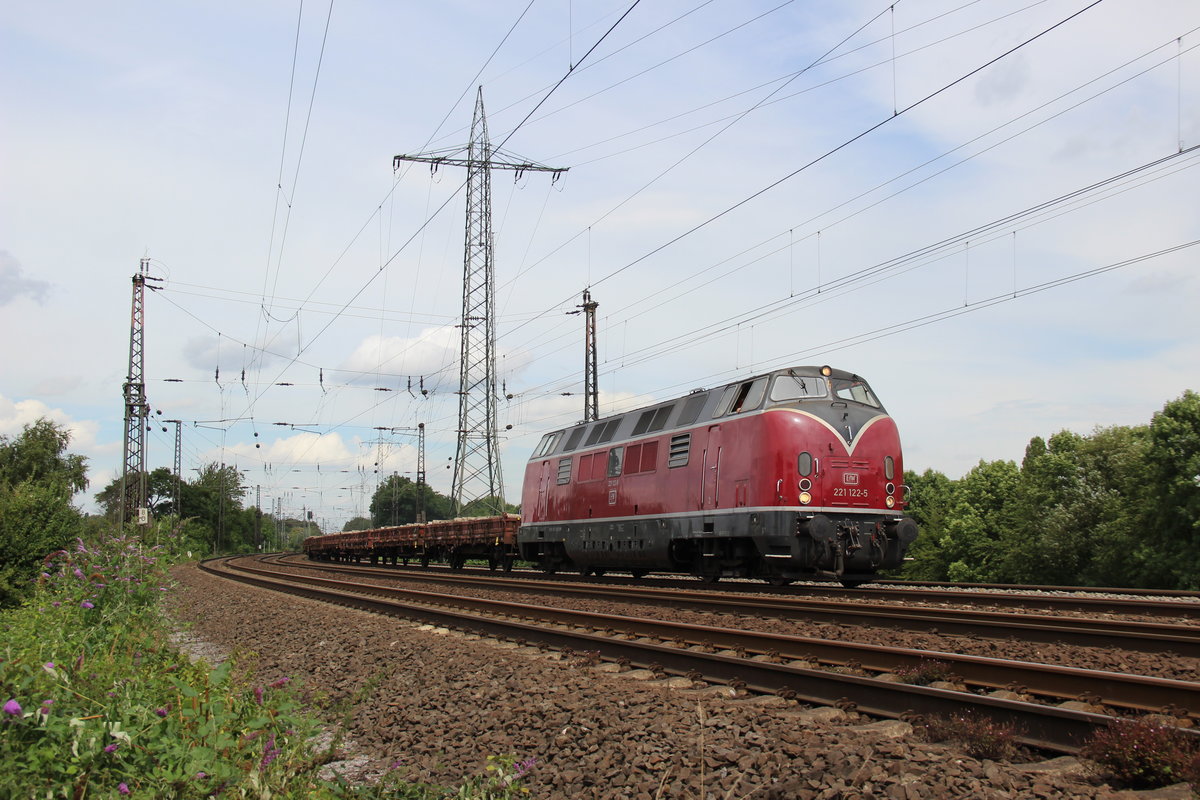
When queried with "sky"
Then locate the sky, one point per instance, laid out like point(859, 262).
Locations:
point(989, 210)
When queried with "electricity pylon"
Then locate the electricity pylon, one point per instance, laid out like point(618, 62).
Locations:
point(477, 472)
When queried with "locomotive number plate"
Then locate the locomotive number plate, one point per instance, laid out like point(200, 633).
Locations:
point(842, 491)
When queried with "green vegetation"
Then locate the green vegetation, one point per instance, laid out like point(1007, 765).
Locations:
point(1120, 507)
point(37, 480)
point(98, 703)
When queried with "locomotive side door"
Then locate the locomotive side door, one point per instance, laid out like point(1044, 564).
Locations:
point(543, 486)
point(712, 467)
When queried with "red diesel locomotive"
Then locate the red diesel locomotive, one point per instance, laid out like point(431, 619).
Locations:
point(789, 475)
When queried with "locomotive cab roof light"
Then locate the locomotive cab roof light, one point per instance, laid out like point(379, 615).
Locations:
point(826, 370)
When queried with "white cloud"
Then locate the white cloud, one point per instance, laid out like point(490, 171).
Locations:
point(14, 284)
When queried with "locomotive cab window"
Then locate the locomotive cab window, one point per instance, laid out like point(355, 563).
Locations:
point(547, 444)
point(856, 390)
point(790, 388)
point(742, 397)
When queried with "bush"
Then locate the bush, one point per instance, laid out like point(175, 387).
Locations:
point(1137, 754)
point(979, 736)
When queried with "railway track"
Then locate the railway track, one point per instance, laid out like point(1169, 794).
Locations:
point(1129, 635)
point(810, 670)
point(1050, 599)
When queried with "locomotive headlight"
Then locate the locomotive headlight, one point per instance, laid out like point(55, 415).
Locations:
point(805, 498)
point(891, 501)
point(805, 485)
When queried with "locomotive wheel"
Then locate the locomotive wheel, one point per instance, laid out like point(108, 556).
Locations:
point(778, 580)
point(599, 573)
point(638, 573)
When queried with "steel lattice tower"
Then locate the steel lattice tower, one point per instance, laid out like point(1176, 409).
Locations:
point(591, 384)
point(477, 473)
point(137, 410)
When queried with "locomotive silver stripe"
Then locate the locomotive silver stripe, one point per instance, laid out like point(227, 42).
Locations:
point(885, 512)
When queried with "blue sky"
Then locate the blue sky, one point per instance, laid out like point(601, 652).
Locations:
point(164, 130)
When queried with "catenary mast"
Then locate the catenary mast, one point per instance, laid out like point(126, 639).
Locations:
point(137, 409)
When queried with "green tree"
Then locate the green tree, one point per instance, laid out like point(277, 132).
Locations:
point(1173, 467)
point(37, 480)
point(39, 455)
point(214, 499)
point(395, 503)
point(358, 524)
point(160, 494)
point(930, 497)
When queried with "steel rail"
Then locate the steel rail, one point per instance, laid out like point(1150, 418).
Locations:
point(880, 590)
point(1146, 637)
point(1129, 691)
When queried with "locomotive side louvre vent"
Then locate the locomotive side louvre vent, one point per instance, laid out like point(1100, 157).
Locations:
point(681, 445)
point(573, 441)
point(564, 470)
point(692, 408)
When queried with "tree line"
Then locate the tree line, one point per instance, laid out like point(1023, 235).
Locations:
point(1118, 507)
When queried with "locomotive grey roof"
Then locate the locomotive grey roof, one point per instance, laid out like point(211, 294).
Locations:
point(679, 412)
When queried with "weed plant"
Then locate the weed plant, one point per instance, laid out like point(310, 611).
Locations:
point(98, 704)
point(979, 736)
point(1138, 754)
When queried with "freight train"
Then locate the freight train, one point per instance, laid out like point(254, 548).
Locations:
point(793, 474)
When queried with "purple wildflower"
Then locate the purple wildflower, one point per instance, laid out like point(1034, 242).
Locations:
point(112, 748)
point(524, 767)
point(12, 708)
point(48, 666)
point(258, 694)
point(78, 547)
point(162, 712)
point(78, 572)
point(201, 774)
point(47, 703)
point(279, 683)
point(56, 604)
point(86, 604)
point(270, 751)
point(123, 788)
